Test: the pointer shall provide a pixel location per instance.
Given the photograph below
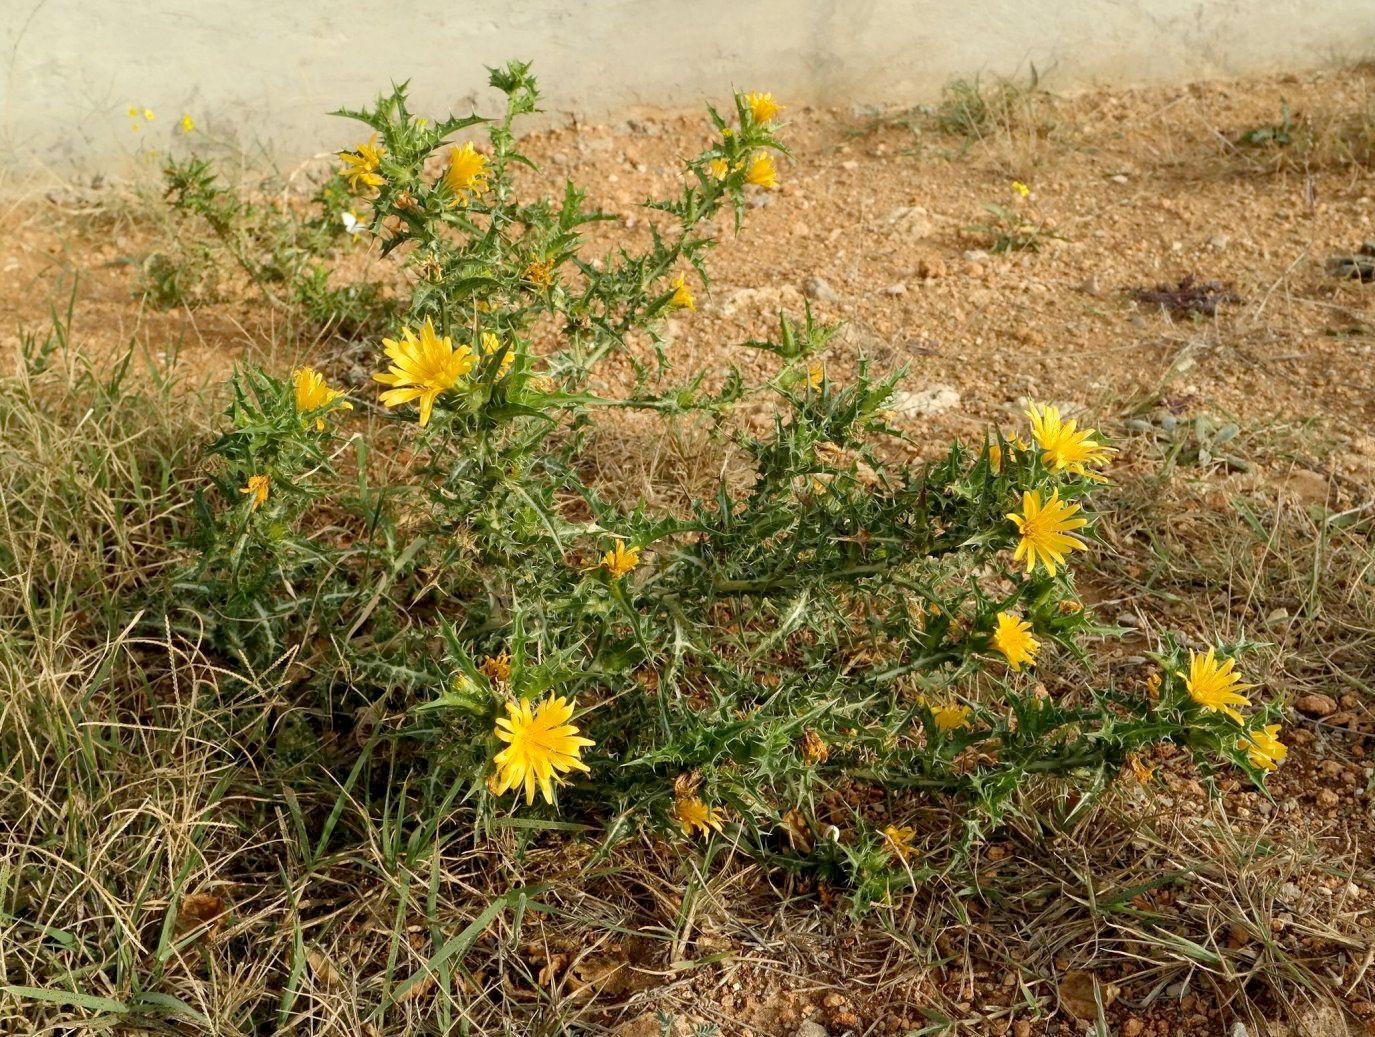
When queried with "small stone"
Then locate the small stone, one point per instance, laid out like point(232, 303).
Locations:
point(1238, 1030)
point(818, 289)
point(1316, 704)
point(930, 268)
point(1290, 893)
point(1328, 798)
point(936, 399)
point(811, 1028)
point(1276, 616)
point(1118, 178)
point(849, 163)
point(1133, 1027)
point(896, 289)
point(1218, 242)
point(1021, 1028)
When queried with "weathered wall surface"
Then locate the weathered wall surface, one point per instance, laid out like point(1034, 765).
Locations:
point(268, 70)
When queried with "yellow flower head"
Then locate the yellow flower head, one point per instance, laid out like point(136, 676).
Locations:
point(256, 490)
point(682, 295)
point(1264, 748)
point(816, 374)
point(1066, 448)
point(900, 841)
point(620, 560)
point(693, 815)
point(313, 394)
point(1216, 686)
point(187, 124)
point(814, 748)
point(541, 746)
point(1141, 770)
point(491, 345)
point(133, 111)
point(1013, 638)
point(540, 272)
point(718, 167)
point(361, 164)
point(762, 106)
point(762, 172)
point(1045, 529)
point(995, 457)
point(422, 368)
point(497, 667)
point(950, 717)
point(467, 173)
point(1021, 188)
point(148, 115)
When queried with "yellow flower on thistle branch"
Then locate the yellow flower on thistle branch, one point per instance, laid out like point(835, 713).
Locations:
point(361, 164)
point(761, 172)
point(256, 489)
point(467, 173)
point(1214, 685)
point(1066, 448)
point(1263, 747)
point(541, 746)
point(682, 296)
point(762, 107)
point(1046, 531)
point(694, 816)
point(1013, 638)
point(900, 841)
point(496, 668)
point(491, 345)
point(951, 717)
point(620, 560)
point(422, 367)
point(312, 394)
point(718, 168)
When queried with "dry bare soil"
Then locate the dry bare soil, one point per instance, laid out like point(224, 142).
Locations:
point(1164, 910)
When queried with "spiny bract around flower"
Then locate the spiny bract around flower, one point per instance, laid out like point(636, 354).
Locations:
point(422, 368)
point(541, 747)
point(1045, 530)
point(1214, 685)
point(1013, 638)
point(1065, 447)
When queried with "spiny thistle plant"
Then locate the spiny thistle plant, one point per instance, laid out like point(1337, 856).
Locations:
point(765, 665)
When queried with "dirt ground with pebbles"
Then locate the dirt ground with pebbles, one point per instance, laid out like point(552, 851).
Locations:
point(1135, 189)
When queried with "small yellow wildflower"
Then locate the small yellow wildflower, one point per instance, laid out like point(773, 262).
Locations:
point(719, 168)
point(995, 457)
point(496, 667)
point(900, 841)
point(541, 747)
point(422, 368)
point(148, 115)
point(816, 374)
point(1021, 188)
point(1153, 684)
point(682, 295)
point(950, 717)
point(256, 490)
point(1141, 770)
point(540, 272)
point(491, 345)
point(312, 394)
point(1216, 686)
point(1263, 747)
point(187, 124)
point(1013, 638)
point(620, 560)
point(694, 816)
point(1045, 530)
point(1066, 448)
point(761, 172)
point(133, 111)
point(814, 748)
point(361, 164)
point(762, 106)
point(467, 173)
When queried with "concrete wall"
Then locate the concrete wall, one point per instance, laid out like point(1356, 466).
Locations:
point(268, 70)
